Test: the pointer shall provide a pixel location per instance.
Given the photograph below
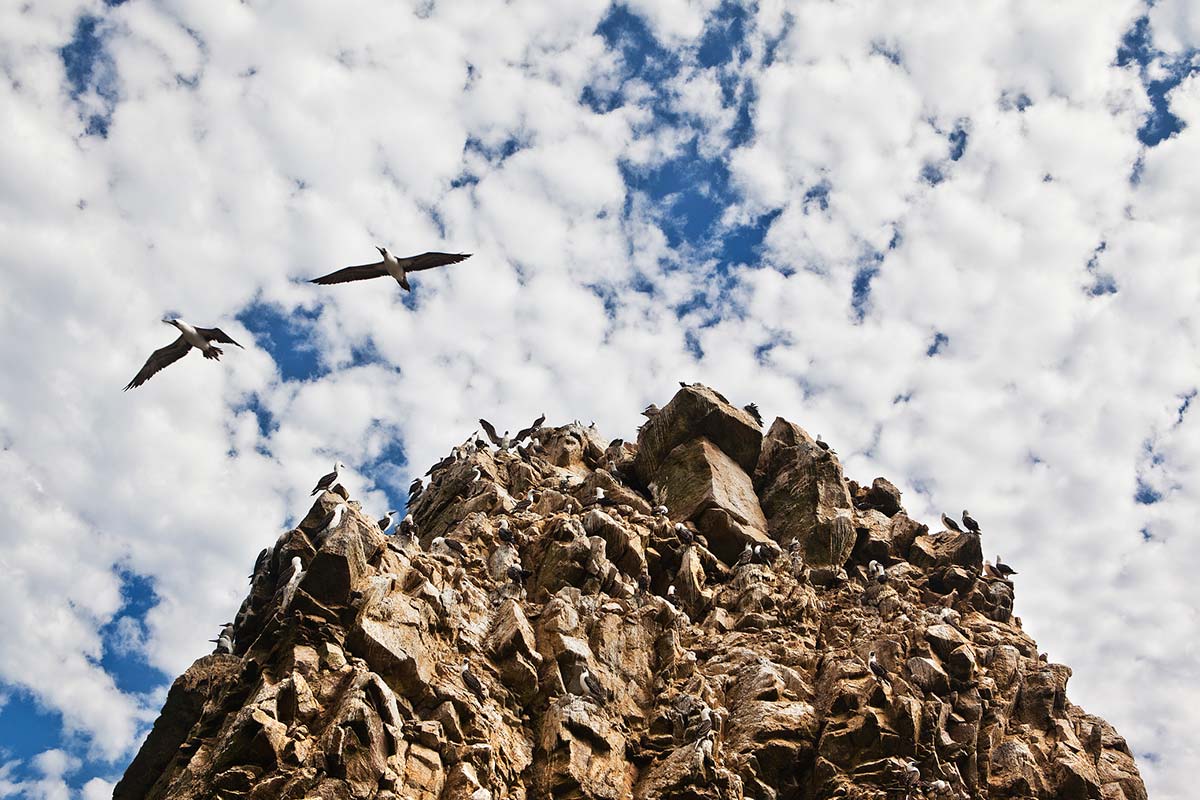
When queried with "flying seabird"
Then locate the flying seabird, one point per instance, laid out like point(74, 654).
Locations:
point(950, 524)
point(971, 524)
point(189, 337)
point(327, 482)
point(224, 640)
point(878, 670)
point(472, 682)
point(398, 268)
point(1004, 569)
point(385, 522)
point(877, 571)
point(752, 410)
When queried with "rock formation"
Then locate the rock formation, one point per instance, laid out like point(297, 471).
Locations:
point(602, 653)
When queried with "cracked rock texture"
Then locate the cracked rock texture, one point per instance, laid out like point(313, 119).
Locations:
point(731, 674)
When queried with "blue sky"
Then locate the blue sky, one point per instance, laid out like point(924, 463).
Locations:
point(957, 244)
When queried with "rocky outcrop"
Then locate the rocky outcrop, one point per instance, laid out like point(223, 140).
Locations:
point(596, 651)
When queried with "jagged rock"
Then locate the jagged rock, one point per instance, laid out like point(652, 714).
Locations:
point(697, 411)
point(583, 681)
point(800, 485)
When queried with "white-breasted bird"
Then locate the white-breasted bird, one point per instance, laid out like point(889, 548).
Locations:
point(189, 337)
point(328, 481)
point(398, 268)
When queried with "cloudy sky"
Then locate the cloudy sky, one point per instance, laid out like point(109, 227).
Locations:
point(956, 239)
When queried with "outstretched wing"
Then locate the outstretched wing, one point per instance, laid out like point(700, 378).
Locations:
point(490, 431)
point(217, 335)
point(431, 260)
point(360, 273)
point(537, 423)
point(162, 357)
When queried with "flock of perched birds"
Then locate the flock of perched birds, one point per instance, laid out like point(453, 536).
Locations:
point(194, 338)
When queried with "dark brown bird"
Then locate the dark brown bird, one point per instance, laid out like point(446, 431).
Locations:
point(200, 338)
point(950, 524)
point(971, 524)
point(398, 268)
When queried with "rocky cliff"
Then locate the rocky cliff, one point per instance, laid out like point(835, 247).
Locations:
point(546, 630)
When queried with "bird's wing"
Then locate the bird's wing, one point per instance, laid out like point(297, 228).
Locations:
point(490, 431)
point(431, 260)
point(537, 423)
point(359, 273)
point(162, 357)
point(217, 335)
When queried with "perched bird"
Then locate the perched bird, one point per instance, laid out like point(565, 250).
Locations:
point(331, 521)
point(200, 338)
point(971, 524)
point(505, 533)
point(443, 546)
point(518, 574)
point(878, 670)
point(1004, 569)
point(472, 682)
point(661, 511)
point(398, 268)
point(824, 445)
point(651, 411)
point(289, 590)
point(504, 442)
point(408, 527)
point(527, 501)
point(950, 524)
point(877, 571)
point(414, 489)
point(912, 773)
point(224, 640)
point(385, 521)
point(327, 482)
point(685, 535)
point(445, 462)
point(260, 562)
point(476, 474)
point(525, 433)
point(746, 557)
point(752, 410)
point(643, 582)
point(671, 592)
point(564, 483)
point(585, 683)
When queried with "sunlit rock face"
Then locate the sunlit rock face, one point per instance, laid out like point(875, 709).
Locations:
point(538, 638)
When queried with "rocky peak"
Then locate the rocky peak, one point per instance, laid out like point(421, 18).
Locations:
point(543, 630)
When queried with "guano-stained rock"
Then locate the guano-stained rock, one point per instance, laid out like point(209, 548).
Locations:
point(590, 678)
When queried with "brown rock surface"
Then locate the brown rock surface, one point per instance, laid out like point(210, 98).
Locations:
point(750, 680)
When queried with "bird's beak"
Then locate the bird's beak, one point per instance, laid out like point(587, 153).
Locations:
point(168, 322)
point(380, 249)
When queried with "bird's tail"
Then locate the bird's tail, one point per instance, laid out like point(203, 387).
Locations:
point(213, 352)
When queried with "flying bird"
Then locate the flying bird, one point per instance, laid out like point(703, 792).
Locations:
point(525, 433)
point(950, 524)
point(200, 338)
point(971, 524)
point(327, 482)
point(503, 442)
point(398, 268)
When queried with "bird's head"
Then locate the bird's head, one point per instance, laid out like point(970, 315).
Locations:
point(172, 322)
point(382, 251)
point(391, 513)
point(966, 513)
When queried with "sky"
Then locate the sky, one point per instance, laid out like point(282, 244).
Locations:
point(955, 239)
